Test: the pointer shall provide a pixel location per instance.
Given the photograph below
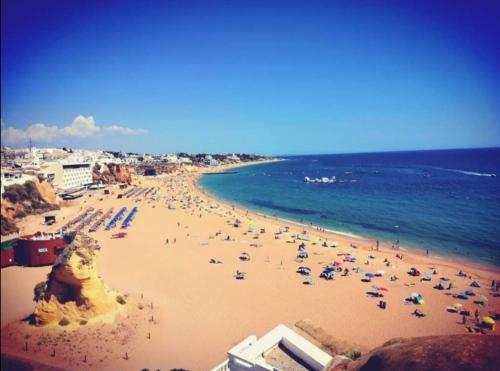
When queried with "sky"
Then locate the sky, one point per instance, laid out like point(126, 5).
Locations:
point(266, 77)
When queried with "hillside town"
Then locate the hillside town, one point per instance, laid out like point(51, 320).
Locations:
point(36, 180)
point(68, 169)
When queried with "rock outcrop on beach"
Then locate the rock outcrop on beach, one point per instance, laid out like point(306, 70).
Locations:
point(21, 200)
point(73, 292)
point(112, 173)
point(453, 352)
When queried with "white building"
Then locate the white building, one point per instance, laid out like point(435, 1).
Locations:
point(234, 158)
point(172, 159)
point(294, 352)
point(76, 174)
point(66, 175)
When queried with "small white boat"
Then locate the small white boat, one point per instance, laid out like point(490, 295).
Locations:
point(323, 180)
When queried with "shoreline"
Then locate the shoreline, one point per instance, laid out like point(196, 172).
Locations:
point(413, 251)
point(167, 257)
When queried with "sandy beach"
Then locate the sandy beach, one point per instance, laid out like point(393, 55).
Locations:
point(200, 310)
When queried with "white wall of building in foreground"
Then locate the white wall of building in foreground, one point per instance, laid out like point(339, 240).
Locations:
point(249, 354)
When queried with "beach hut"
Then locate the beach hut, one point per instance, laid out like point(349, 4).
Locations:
point(49, 219)
point(39, 249)
point(7, 253)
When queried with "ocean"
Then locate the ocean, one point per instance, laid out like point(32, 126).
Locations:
point(447, 201)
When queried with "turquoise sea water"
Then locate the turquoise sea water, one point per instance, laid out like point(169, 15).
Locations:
point(447, 201)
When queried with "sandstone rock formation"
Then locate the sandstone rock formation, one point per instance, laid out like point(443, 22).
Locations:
point(453, 352)
point(74, 293)
point(112, 173)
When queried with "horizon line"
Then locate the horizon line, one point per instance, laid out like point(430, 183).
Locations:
point(388, 151)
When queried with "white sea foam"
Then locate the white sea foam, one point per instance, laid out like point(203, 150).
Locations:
point(465, 172)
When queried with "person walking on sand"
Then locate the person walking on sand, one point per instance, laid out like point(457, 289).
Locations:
point(492, 285)
point(166, 241)
point(377, 244)
point(427, 252)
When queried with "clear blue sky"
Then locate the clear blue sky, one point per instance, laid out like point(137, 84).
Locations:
point(266, 77)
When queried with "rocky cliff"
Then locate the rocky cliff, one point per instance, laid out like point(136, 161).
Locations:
point(73, 292)
point(20, 200)
point(112, 173)
point(453, 352)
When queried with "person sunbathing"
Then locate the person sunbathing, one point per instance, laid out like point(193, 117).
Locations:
point(419, 313)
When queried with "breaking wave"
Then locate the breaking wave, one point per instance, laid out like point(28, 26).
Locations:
point(465, 172)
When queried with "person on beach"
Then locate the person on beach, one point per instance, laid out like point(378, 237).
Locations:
point(427, 252)
point(377, 244)
point(477, 314)
point(464, 319)
point(166, 241)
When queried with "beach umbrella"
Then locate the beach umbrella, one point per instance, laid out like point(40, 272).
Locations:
point(308, 280)
point(488, 320)
point(483, 299)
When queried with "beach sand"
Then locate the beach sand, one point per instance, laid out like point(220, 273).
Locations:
point(200, 310)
